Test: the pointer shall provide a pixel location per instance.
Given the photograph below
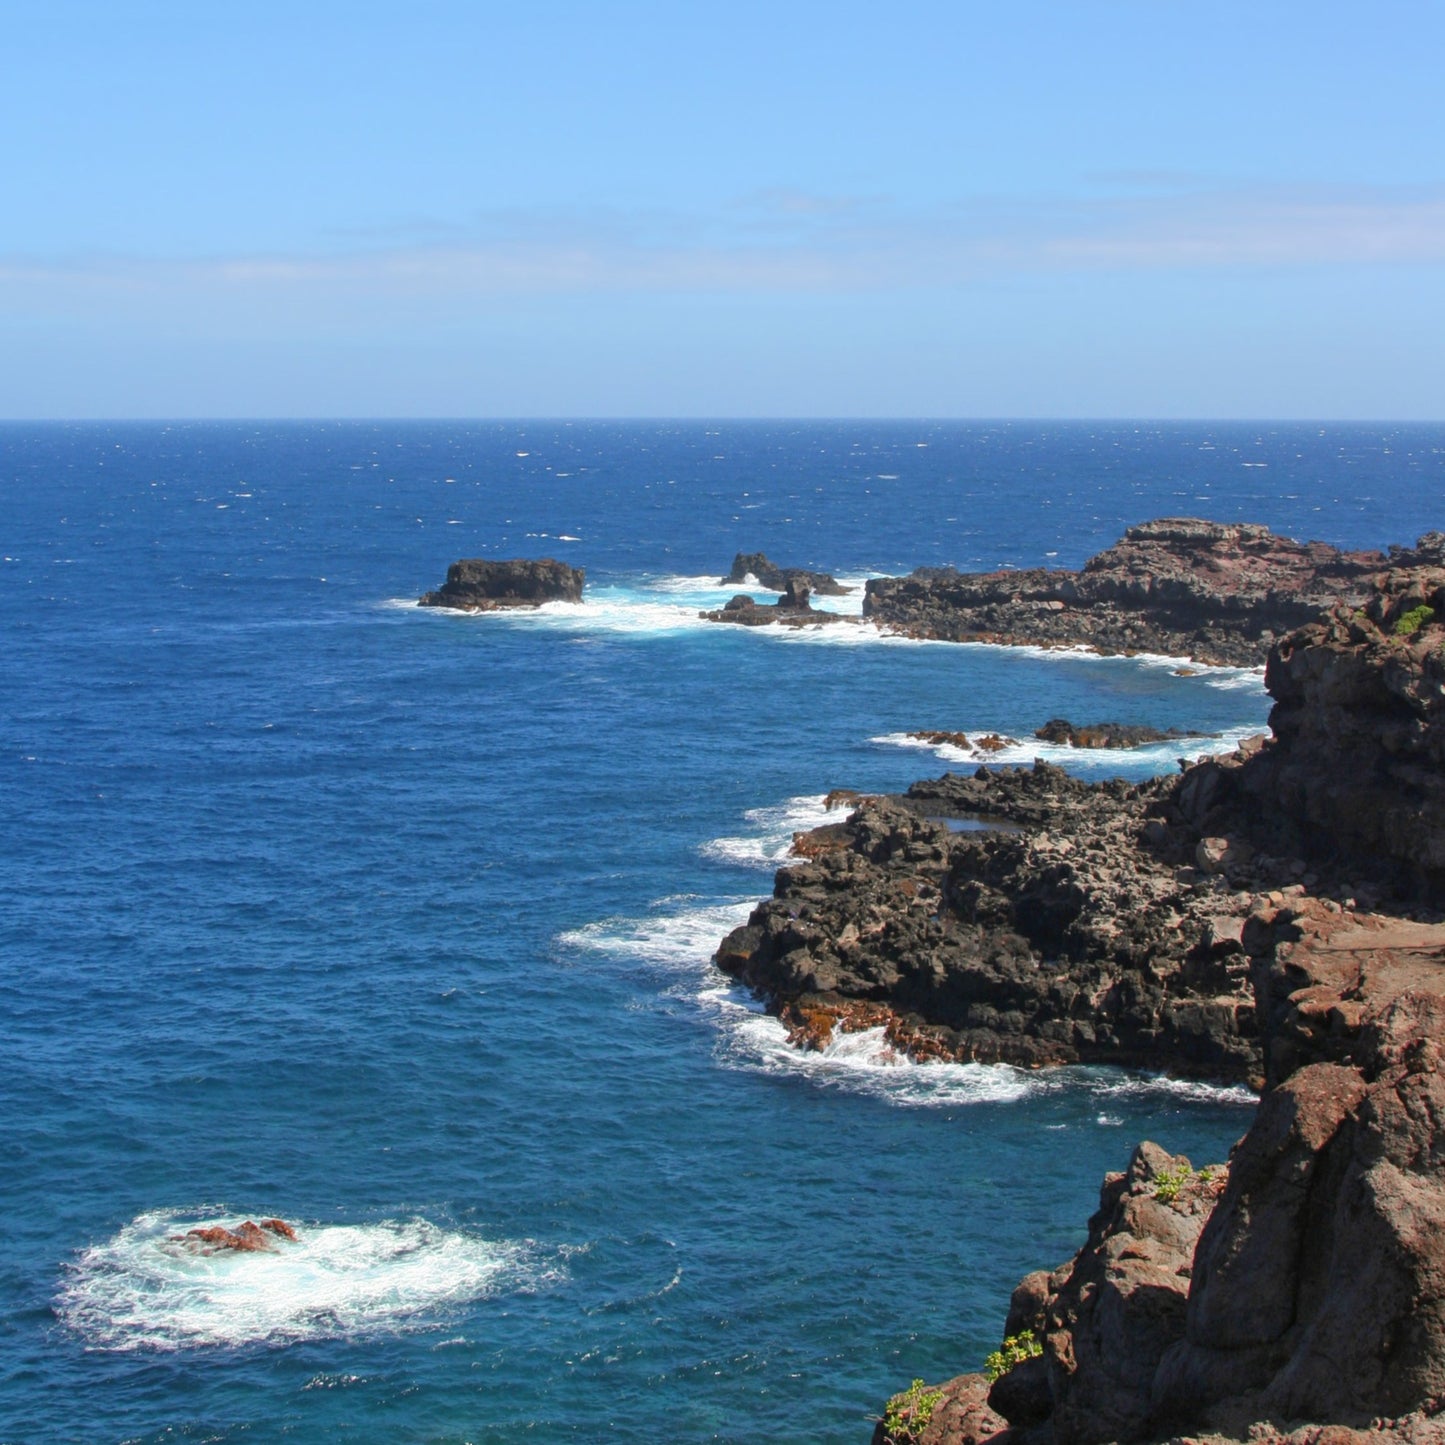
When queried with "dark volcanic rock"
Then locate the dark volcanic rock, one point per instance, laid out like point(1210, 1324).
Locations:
point(794, 609)
point(479, 585)
point(1359, 717)
point(776, 579)
point(1108, 734)
point(1221, 593)
point(1304, 1285)
point(1307, 1304)
point(1061, 940)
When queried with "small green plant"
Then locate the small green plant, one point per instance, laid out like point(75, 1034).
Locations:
point(1409, 623)
point(907, 1414)
point(1168, 1183)
point(1014, 1351)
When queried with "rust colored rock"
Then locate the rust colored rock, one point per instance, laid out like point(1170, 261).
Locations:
point(995, 743)
point(814, 842)
point(938, 739)
point(247, 1238)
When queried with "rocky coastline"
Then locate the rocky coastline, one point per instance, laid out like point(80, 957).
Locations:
point(1221, 593)
point(479, 584)
point(1274, 916)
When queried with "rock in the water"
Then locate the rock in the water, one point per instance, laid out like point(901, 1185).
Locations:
point(247, 1238)
point(480, 585)
point(776, 579)
point(794, 609)
point(1109, 734)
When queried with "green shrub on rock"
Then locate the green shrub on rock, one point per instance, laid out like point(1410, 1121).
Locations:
point(1014, 1351)
point(907, 1414)
point(1409, 623)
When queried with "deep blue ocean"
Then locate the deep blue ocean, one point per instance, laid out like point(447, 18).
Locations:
point(396, 923)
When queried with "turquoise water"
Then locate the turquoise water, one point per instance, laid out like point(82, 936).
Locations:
point(396, 923)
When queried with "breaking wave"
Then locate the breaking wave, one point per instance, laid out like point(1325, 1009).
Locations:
point(1152, 758)
point(143, 1290)
point(770, 843)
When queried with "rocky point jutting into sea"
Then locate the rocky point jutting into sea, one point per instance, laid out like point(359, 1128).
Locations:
point(1218, 592)
point(1271, 916)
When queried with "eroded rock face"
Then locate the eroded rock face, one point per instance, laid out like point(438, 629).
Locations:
point(480, 585)
point(1220, 593)
point(1359, 719)
point(776, 579)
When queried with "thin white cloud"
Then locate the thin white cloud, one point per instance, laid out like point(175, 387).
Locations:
point(786, 242)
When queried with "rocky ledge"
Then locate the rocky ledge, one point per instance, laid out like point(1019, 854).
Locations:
point(1220, 593)
point(1272, 915)
point(478, 585)
point(776, 579)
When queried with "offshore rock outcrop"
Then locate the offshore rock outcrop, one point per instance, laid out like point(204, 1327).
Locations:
point(478, 584)
point(1220, 593)
point(246, 1238)
point(1109, 734)
point(793, 609)
point(776, 579)
point(1306, 1303)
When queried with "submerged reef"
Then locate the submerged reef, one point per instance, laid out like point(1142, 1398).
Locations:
point(1276, 915)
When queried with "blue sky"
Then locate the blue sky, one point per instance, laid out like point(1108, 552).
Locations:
point(1102, 208)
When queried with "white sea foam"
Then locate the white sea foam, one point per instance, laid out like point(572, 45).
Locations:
point(144, 1290)
point(864, 1062)
point(681, 933)
point(771, 842)
point(660, 605)
point(1157, 757)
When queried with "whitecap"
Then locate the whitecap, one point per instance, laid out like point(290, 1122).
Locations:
point(1152, 757)
point(681, 933)
point(862, 1062)
point(143, 1290)
point(771, 844)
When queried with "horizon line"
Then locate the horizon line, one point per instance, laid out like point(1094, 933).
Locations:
point(700, 418)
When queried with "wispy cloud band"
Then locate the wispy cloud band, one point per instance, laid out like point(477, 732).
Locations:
point(777, 243)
